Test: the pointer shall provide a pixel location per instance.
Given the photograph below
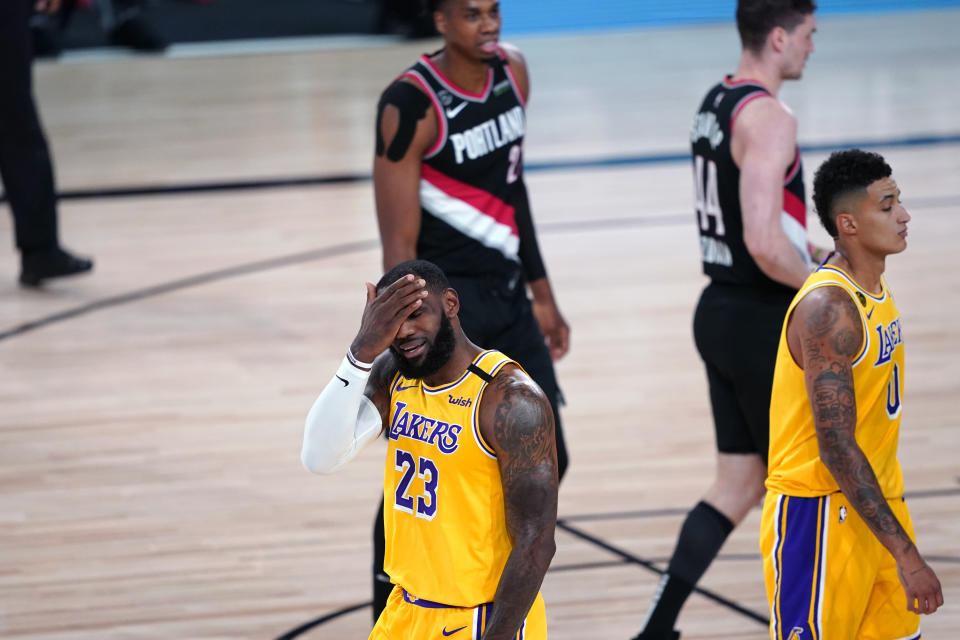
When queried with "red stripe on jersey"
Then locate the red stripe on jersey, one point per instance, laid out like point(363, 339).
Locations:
point(792, 172)
point(795, 207)
point(744, 102)
point(463, 93)
point(438, 110)
point(486, 203)
point(513, 78)
point(736, 83)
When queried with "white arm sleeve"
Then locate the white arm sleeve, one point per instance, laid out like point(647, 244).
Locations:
point(341, 422)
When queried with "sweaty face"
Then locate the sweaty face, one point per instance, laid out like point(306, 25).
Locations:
point(472, 27)
point(882, 219)
point(799, 46)
point(424, 344)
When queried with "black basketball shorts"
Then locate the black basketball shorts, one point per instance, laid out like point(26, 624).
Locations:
point(737, 332)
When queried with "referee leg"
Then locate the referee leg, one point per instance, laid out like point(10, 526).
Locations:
point(25, 164)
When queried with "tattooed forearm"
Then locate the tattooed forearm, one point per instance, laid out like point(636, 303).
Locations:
point(856, 478)
point(524, 434)
point(835, 417)
point(830, 335)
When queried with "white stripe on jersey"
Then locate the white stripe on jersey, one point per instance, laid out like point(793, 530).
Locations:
point(797, 234)
point(469, 220)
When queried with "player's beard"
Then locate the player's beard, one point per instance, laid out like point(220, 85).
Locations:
point(438, 355)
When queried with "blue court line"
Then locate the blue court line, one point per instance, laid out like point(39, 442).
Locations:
point(535, 167)
point(674, 157)
point(529, 16)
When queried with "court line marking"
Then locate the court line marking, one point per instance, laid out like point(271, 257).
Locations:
point(600, 162)
point(656, 513)
point(648, 564)
point(303, 628)
point(577, 226)
point(190, 281)
point(603, 564)
point(625, 557)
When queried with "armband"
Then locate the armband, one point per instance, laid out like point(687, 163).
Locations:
point(412, 104)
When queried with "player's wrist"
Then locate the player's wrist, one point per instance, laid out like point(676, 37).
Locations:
point(910, 559)
point(359, 362)
point(350, 374)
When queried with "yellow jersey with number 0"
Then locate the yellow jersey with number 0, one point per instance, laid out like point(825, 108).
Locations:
point(795, 467)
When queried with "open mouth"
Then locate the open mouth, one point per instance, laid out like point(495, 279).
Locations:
point(489, 46)
point(413, 348)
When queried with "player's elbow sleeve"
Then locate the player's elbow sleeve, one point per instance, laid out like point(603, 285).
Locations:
point(318, 457)
point(332, 439)
point(341, 421)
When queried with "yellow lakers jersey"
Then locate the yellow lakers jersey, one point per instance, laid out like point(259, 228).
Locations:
point(795, 468)
point(446, 532)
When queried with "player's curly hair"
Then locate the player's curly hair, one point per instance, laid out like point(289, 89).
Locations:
point(433, 5)
point(434, 276)
point(757, 18)
point(842, 173)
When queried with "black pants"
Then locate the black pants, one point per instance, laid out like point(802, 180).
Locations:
point(494, 316)
point(25, 164)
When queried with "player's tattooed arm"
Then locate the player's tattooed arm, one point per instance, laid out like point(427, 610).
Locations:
point(517, 421)
point(828, 326)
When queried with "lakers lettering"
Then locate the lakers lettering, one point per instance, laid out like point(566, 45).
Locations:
point(407, 424)
point(488, 136)
point(890, 336)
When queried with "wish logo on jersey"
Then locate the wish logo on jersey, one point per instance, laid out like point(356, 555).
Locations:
point(489, 136)
point(407, 424)
point(890, 336)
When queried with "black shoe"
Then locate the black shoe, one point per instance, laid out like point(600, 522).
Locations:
point(38, 266)
point(675, 635)
point(136, 33)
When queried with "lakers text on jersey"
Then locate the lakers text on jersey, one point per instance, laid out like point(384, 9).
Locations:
point(444, 519)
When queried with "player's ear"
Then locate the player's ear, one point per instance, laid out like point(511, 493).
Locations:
point(440, 21)
point(846, 224)
point(777, 39)
point(451, 303)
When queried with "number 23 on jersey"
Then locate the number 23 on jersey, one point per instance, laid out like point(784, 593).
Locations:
point(423, 505)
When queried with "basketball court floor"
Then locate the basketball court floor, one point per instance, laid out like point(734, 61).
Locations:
point(150, 481)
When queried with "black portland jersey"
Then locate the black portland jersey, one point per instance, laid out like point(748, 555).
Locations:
point(468, 176)
point(717, 188)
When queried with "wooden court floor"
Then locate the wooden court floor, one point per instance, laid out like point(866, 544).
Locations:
point(151, 414)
